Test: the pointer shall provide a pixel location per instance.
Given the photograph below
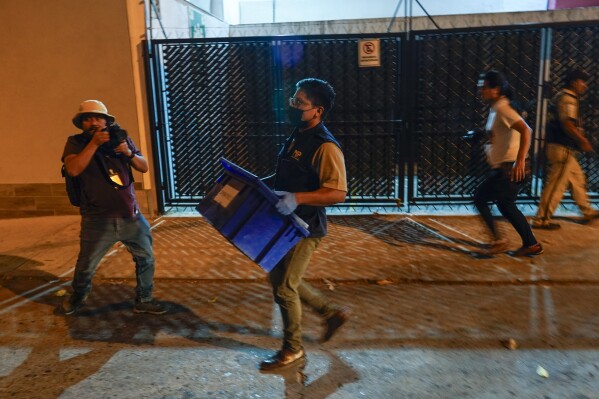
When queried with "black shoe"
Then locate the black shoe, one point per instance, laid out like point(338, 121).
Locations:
point(284, 359)
point(545, 226)
point(334, 322)
point(533, 250)
point(74, 303)
point(151, 307)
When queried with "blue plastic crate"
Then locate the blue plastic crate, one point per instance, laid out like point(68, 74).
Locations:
point(242, 208)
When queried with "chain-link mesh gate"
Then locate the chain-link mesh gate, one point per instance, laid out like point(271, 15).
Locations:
point(213, 108)
point(571, 47)
point(365, 118)
point(446, 68)
point(228, 98)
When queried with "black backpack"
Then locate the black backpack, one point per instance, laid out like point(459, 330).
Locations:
point(73, 187)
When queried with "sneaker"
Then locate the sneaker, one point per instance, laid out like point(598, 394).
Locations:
point(533, 250)
point(497, 247)
point(546, 225)
point(284, 359)
point(590, 217)
point(334, 322)
point(151, 307)
point(73, 303)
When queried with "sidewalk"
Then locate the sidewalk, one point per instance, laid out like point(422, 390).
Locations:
point(399, 248)
point(430, 320)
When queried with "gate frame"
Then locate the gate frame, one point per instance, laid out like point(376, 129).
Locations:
point(405, 159)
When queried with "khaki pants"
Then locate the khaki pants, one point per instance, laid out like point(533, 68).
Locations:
point(290, 290)
point(563, 172)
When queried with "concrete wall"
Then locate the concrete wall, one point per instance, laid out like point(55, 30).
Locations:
point(56, 54)
point(282, 11)
point(175, 18)
point(380, 25)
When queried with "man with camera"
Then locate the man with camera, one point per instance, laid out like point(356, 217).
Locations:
point(101, 158)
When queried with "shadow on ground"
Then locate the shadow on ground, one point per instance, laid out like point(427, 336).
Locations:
point(107, 325)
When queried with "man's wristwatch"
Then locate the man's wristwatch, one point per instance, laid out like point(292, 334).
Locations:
point(131, 156)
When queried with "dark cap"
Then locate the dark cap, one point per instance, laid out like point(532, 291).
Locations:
point(576, 74)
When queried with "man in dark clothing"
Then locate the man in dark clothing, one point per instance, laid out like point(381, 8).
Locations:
point(310, 175)
point(565, 140)
point(109, 209)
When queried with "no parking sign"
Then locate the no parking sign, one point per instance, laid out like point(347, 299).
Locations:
point(369, 52)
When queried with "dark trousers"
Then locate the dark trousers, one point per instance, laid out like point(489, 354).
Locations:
point(99, 234)
point(499, 189)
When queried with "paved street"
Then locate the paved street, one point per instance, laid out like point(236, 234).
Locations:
point(431, 315)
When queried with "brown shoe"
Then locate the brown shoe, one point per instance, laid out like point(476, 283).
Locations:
point(334, 322)
point(545, 225)
point(533, 250)
point(283, 359)
point(590, 217)
point(497, 247)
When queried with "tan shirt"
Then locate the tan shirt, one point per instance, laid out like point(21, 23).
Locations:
point(330, 163)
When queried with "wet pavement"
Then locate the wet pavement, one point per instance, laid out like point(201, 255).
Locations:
point(431, 315)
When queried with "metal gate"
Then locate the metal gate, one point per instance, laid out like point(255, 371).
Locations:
point(401, 125)
point(445, 166)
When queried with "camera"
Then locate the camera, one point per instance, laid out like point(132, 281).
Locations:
point(117, 136)
point(475, 135)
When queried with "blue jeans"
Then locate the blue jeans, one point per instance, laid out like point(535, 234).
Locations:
point(98, 235)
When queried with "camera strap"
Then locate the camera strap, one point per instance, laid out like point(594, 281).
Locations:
point(109, 175)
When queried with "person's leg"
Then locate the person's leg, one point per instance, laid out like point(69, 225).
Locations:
point(506, 202)
point(97, 236)
point(285, 279)
point(314, 298)
point(484, 194)
point(555, 183)
point(578, 185)
point(135, 234)
point(334, 316)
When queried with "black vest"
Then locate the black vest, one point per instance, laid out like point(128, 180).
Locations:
point(555, 130)
point(296, 174)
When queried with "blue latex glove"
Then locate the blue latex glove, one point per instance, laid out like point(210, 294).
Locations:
point(287, 202)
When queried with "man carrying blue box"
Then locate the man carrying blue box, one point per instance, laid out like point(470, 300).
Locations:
point(310, 175)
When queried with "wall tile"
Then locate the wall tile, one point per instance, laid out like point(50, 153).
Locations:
point(31, 200)
point(17, 203)
point(32, 190)
point(7, 190)
point(7, 214)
